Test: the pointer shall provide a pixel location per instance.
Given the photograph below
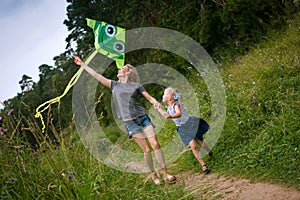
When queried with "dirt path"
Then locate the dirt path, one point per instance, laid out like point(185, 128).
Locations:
point(212, 186)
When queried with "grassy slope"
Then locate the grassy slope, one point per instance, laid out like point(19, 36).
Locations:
point(261, 135)
point(260, 138)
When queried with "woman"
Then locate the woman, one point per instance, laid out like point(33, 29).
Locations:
point(136, 121)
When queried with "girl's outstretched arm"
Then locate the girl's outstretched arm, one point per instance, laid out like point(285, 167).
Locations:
point(166, 115)
point(105, 81)
point(162, 112)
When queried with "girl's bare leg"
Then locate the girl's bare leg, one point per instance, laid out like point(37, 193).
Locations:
point(196, 152)
point(204, 145)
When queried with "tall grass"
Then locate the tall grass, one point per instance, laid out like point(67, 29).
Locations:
point(260, 139)
point(261, 135)
point(68, 171)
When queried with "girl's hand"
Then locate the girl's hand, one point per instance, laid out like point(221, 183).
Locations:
point(166, 115)
point(77, 60)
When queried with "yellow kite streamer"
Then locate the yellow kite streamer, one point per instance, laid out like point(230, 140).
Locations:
point(71, 83)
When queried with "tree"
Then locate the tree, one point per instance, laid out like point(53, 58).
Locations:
point(26, 83)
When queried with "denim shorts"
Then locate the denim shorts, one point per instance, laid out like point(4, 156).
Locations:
point(137, 125)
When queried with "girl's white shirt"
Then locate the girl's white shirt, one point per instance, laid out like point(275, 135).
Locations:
point(184, 114)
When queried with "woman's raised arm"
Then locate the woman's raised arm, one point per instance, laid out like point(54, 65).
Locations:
point(105, 81)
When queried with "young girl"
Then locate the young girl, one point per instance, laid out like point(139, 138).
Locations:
point(125, 93)
point(190, 129)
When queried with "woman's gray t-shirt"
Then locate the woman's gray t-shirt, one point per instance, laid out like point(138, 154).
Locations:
point(126, 99)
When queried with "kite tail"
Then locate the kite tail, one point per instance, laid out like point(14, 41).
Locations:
point(47, 104)
point(71, 83)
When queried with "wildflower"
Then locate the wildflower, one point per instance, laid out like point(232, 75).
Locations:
point(237, 59)
point(254, 102)
point(202, 74)
point(237, 43)
point(205, 93)
point(70, 175)
point(12, 179)
point(1, 120)
point(3, 131)
point(10, 112)
point(207, 114)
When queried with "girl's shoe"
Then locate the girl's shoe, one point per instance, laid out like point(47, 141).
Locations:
point(205, 169)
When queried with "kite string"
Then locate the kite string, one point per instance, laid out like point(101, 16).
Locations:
point(71, 83)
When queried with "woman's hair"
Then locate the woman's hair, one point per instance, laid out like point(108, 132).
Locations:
point(134, 75)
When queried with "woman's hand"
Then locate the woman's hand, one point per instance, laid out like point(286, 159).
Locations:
point(156, 105)
point(77, 60)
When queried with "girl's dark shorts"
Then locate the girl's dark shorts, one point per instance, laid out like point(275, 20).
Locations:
point(194, 128)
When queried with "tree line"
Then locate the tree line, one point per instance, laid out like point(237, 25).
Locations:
point(215, 24)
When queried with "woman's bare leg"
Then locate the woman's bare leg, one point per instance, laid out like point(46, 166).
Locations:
point(141, 141)
point(149, 132)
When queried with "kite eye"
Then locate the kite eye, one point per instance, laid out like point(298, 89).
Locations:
point(119, 46)
point(110, 31)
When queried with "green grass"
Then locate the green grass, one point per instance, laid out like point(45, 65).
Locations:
point(261, 135)
point(260, 140)
point(70, 172)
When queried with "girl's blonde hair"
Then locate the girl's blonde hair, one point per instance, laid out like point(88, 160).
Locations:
point(171, 90)
point(174, 92)
point(134, 75)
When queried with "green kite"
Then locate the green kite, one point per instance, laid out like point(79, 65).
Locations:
point(109, 40)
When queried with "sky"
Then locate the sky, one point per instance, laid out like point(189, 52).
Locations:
point(32, 33)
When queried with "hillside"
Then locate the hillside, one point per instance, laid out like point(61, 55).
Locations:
point(256, 157)
point(262, 125)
